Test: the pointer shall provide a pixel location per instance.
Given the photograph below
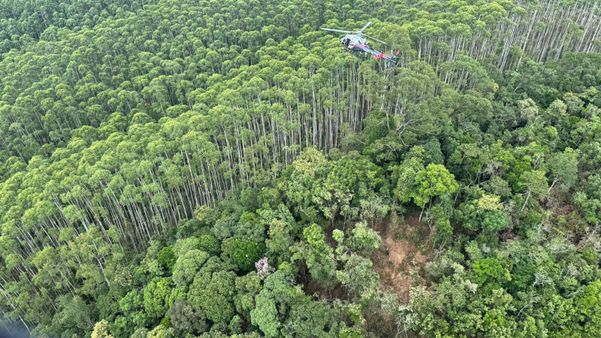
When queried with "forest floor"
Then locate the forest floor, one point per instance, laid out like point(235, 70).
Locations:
point(406, 248)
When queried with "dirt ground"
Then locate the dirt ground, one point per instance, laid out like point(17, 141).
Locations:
point(405, 251)
point(406, 248)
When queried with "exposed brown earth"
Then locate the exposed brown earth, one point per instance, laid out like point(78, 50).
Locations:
point(400, 259)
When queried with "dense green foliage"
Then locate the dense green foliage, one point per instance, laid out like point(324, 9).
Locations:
point(217, 168)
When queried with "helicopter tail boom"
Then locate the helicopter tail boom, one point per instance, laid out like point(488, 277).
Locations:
point(379, 55)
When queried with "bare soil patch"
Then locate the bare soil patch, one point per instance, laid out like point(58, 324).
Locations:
point(406, 248)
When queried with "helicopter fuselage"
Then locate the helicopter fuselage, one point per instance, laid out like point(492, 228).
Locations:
point(354, 42)
point(358, 43)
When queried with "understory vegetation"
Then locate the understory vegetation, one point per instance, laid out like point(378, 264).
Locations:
point(225, 168)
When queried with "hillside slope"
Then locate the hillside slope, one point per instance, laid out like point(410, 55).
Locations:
point(215, 168)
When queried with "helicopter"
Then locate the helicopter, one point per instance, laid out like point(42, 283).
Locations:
point(356, 41)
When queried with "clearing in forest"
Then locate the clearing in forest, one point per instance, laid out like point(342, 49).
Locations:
point(406, 248)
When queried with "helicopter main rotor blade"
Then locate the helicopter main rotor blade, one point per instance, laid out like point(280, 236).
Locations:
point(362, 29)
point(335, 30)
point(370, 37)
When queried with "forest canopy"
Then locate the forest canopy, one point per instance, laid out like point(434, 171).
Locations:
point(225, 168)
